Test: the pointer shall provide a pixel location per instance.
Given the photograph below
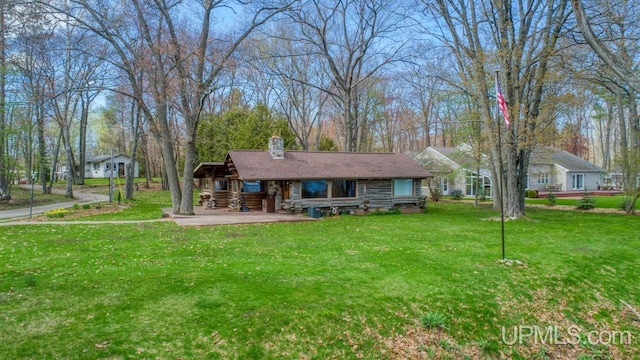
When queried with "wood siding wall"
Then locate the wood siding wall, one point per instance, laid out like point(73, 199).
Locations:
point(371, 194)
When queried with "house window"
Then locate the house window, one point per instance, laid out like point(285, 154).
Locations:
point(577, 181)
point(543, 178)
point(314, 189)
point(343, 188)
point(251, 186)
point(220, 185)
point(402, 187)
point(96, 166)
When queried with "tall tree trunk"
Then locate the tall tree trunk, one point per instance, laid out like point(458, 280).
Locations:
point(170, 174)
point(633, 152)
point(190, 157)
point(70, 163)
point(136, 115)
point(55, 162)
point(624, 146)
point(147, 161)
point(42, 150)
point(3, 74)
point(82, 143)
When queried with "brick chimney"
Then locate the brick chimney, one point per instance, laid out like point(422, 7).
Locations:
point(276, 147)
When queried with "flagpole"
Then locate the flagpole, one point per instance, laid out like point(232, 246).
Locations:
point(500, 173)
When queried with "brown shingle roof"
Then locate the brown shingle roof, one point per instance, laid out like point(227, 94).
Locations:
point(259, 165)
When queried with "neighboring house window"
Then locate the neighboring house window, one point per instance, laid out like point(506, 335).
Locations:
point(314, 189)
point(444, 184)
point(543, 178)
point(343, 188)
point(96, 166)
point(474, 182)
point(402, 187)
point(577, 181)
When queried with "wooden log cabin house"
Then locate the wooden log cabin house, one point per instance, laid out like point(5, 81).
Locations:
point(293, 181)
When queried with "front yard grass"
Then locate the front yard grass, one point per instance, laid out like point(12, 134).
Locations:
point(346, 287)
point(604, 202)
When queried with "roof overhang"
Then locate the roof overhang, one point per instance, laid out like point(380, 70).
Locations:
point(209, 169)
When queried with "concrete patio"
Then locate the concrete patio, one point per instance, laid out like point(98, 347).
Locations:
point(204, 217)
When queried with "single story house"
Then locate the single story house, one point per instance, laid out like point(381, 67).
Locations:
point(456, 168)
point(552, 169)
point(296, 180)
point(101, 166)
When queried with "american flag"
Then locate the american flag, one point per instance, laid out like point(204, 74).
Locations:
point(502, 104)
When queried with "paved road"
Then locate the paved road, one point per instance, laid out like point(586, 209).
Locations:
point(82, 197)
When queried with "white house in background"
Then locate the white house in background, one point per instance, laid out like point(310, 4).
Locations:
point(100, 166)
point(558, 170)
point(550, 169)
point(614, 179)
point(456, 168)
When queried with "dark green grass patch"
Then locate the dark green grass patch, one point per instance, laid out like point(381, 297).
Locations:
point(343, 287)
point(604, 202)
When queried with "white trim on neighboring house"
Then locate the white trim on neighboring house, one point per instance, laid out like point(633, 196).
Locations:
point(444, 157)
point(573, 181)
point(455, 173)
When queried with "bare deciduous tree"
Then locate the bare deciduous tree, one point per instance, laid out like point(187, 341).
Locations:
point(352, 39)
point(519, 38)
point(617, 48)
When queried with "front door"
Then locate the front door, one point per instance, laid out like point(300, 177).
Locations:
point(578, 181)
point(286, 189)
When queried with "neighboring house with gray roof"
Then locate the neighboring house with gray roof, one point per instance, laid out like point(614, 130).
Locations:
point(296, 180)
point(456, 168)
point(550, 169)
point(102, 167)
point(558, 170)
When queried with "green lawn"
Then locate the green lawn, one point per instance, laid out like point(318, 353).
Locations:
point(605, 202)
point(345, 287)
point(146, 205)
point(21, 198)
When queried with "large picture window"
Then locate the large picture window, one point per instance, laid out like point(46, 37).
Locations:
point(251, 186)
point(343, 188)
point(403, 187)
point(314, 189)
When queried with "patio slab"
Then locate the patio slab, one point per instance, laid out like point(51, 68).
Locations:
point(204, 217)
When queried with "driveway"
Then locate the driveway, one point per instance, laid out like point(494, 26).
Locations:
point(81, 197)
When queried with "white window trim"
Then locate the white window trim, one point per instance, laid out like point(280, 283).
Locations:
point(573, 181)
